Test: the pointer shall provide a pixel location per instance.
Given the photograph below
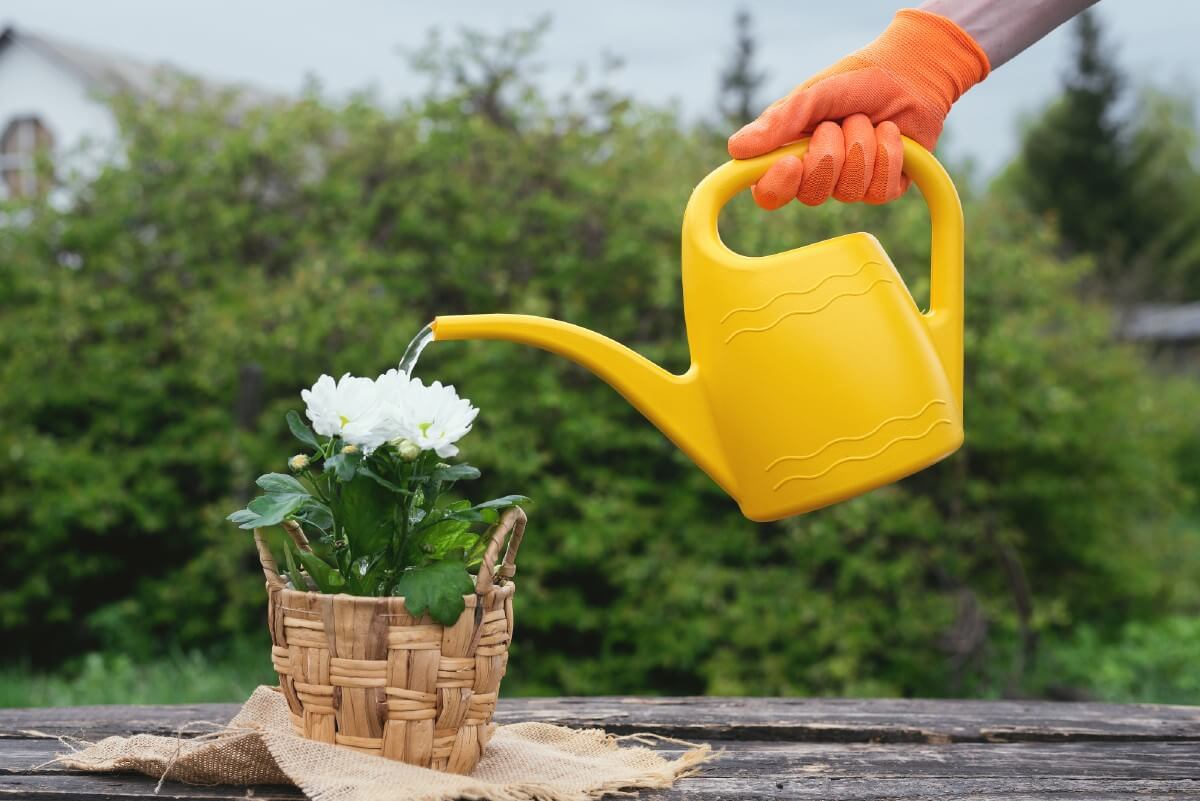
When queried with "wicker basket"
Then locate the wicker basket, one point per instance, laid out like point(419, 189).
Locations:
point(364, 674)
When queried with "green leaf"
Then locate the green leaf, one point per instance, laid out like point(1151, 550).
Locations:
point(322, 545)
point(280, 482)
point(424, 522)
point(327, 578)
point(292, 572)
point(317, 514)
point(381, 481)
point(274, 508)
point(447, 537)
point(501, 503)
point(485, 511)
point(455, 472)
point(367, 516)
point(366, 574)
point(437, 588)
point(242, 516)
point(301, 431)
point(343, 465)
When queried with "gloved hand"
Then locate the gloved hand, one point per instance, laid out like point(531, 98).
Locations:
point(855, 111)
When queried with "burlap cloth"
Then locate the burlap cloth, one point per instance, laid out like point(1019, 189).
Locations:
point(522, 762)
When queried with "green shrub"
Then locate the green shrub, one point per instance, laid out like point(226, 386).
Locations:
point(1146, 661)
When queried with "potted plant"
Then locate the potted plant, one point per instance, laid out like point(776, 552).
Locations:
point(391, 621)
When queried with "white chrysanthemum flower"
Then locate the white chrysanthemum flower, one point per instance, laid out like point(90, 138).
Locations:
point(430, 417)
point(350, 409)
point(437, 418)
point(394, 388)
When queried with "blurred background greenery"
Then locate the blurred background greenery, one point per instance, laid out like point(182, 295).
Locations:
point(158, 326)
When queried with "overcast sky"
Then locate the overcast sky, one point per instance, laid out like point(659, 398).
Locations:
point(671, 50)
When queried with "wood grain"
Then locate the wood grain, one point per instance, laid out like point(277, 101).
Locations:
point(784, 719)
point(801, 761)
point(822, 749)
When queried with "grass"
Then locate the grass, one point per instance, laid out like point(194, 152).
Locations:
point(177, 678)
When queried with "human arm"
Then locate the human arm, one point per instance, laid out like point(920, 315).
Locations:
point(1004, 29)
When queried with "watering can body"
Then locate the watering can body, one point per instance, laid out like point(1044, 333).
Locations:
point(814, 375)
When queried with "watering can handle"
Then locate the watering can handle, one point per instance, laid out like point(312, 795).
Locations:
point(945, 315)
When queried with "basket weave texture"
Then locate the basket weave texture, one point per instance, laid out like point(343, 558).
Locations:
point(363, 673)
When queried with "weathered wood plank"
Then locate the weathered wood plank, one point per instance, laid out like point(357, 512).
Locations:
point(813, 748)
point(1114, 761)
point(745, 760)
point(1017, 789)
point(96, 722)
point(865, 720)
point(786, 719)
point(119, 788)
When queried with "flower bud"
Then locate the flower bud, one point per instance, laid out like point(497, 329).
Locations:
point(298, 462)
point(441, 465)
point(408, 450)
point(350, 450)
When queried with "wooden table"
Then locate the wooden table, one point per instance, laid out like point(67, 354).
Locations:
point(770, 748)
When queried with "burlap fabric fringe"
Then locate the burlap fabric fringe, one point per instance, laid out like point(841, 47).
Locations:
point(523, 762)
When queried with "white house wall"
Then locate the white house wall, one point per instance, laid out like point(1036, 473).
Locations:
point(32, 83)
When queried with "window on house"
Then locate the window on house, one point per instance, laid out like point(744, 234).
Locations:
point(20, 143)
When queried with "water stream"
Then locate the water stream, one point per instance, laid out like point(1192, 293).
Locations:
point(413, 352)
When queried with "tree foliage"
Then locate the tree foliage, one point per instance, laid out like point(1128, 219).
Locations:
point(155, 333)
point(740, 79)
point(1119, 180)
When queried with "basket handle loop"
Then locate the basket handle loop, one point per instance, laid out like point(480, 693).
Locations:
point(511, 522)
point(269, 568)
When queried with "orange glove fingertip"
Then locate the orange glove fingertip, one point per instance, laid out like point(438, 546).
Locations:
point(747, 141)
point(888, 182)
point(779, 184)
point(859, 167)
point(822, 164)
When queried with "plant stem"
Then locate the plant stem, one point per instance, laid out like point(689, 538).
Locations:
point(316, 485)
point(326, 450)
point(406, 511)
point(429, 491)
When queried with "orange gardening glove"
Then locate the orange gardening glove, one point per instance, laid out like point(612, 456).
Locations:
point(902, 83)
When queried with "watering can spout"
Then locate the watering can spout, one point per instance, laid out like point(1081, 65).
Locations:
point(674, 403)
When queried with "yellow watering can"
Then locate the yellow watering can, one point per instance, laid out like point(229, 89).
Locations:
point(814, 375)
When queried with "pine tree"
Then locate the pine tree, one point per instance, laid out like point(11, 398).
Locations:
point(1122, 187)
point(740, 79)
point(1074, 160)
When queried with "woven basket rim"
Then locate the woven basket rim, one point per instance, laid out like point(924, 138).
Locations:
point(505, 588)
